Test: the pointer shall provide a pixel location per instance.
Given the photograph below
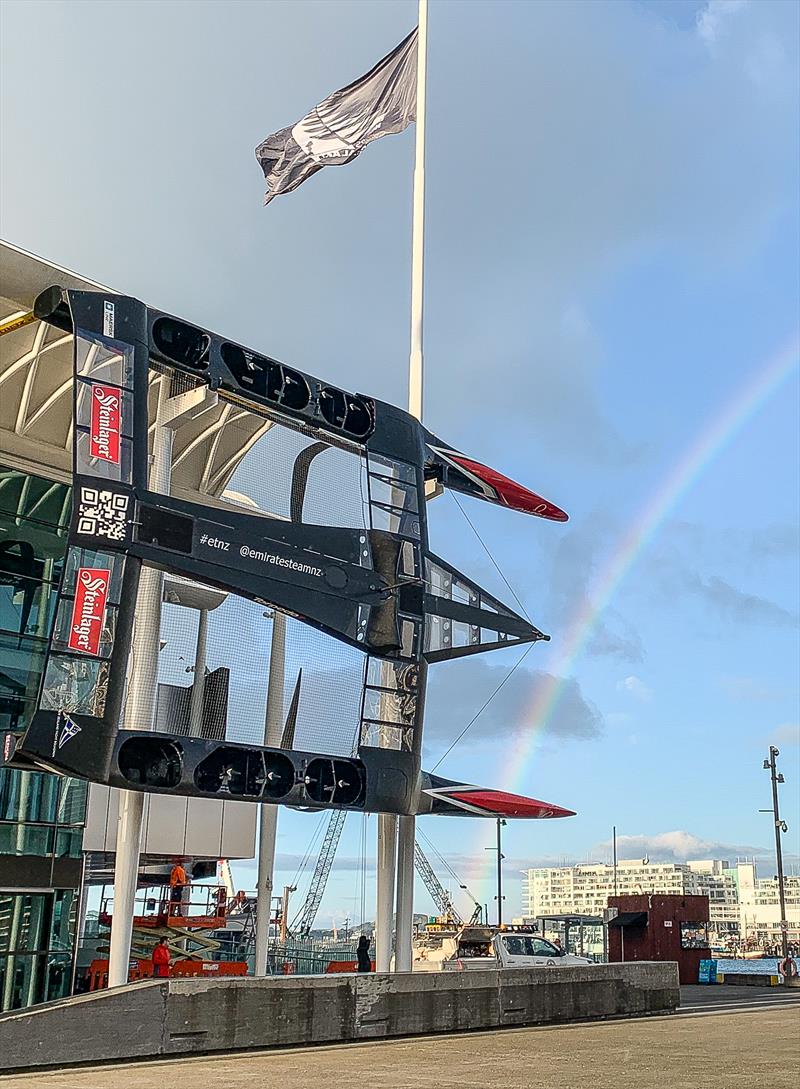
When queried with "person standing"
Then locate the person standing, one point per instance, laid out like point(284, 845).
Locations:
point(177, 883)
point(161, 959)
point(788, 968)
point(362, 953)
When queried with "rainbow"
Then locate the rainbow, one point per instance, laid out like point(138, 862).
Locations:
point(711, 441)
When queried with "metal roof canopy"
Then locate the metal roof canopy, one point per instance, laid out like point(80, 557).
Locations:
point(36, 393)
point(629, 918)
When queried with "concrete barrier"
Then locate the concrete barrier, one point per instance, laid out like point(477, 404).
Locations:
point(193, 1016)
point(750, 979)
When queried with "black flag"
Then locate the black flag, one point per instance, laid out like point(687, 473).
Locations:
point(381, 102)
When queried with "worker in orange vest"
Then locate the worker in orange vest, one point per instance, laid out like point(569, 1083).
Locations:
point(161, 959)
point(177, 883)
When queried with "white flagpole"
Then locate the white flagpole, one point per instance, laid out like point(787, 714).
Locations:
point(418, 225)
point(407, 825)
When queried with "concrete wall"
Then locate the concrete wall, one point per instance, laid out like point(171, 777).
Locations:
point(180, 1017)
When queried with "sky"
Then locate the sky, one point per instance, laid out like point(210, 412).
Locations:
point(611, 318)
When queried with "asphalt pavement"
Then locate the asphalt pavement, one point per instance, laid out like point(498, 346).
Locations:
point(722, 1038)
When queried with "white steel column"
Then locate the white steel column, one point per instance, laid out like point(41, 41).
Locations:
point(405, 894)
point(199, 681)
point(140, 702)
point(268, 814)
point(407, 826)
point(139, 712)
point(386, 862)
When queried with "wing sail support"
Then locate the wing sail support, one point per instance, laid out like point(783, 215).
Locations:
point(368, 581)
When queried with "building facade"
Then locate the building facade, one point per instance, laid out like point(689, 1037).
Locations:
point(41, 816)
point(744, 909)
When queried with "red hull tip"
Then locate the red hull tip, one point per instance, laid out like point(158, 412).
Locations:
point(511, 494)
point(501, 804)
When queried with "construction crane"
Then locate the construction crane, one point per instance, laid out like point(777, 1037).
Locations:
point(226, 877)
point(304, 921)
point(434, 886)
point(440, 895)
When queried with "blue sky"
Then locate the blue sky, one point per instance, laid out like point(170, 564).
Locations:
point(612, 244)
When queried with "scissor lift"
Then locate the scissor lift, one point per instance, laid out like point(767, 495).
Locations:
point(187, 925)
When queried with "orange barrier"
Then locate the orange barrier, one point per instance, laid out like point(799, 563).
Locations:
point(97, 972)
point(208, 968)
point(346, 966)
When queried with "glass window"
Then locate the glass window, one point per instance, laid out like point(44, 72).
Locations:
point(26, 839)
point(38, 501)
point(542, 948)
point(26, 603)
point(23, 662)
point(515, 946)
point(29, 796)
point(22, 921)
point(57, 976)
point(69, 842)
point(62, 924)
point(72, 802)
point(19, 981)
point(15, 711)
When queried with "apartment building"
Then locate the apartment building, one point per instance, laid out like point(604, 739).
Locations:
point(742, 906)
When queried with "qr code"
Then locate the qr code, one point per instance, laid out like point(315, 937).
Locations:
point(103, 514)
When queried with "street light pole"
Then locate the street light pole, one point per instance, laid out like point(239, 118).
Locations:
point(499, 897)
point(780, 826)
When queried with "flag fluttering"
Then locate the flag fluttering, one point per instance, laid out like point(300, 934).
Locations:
point(335, 132)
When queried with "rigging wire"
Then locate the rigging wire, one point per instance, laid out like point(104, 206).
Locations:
point(443, 860)
point(519, 661)
point(476, 716)
point(440, 857)
point(495, 564)
point(309, 849)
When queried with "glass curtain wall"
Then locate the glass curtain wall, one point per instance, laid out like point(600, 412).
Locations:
point(41, 816)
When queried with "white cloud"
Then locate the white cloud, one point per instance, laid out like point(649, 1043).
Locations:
point(637, 688)
point(712, 19)
point(787, 734)
point(682, 846)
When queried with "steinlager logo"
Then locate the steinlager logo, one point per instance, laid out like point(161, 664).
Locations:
point(88, 609)
point(105, 423)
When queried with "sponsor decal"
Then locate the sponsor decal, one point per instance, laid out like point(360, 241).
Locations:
point(88, 609)
point(108, 318)
point(271, 558)
point(69, 730)
point(8, 747)
point(105, 423)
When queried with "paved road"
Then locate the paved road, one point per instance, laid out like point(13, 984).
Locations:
point(703, 1001)
point(708, 1046)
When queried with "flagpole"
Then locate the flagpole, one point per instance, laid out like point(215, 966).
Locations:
point(418, 224)
point(407, 825)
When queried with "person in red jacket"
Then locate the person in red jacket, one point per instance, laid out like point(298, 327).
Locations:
point(161, 959)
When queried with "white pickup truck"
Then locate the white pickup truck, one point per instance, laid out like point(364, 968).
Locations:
point(512, 950)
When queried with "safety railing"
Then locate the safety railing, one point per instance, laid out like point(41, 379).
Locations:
point(191, 906)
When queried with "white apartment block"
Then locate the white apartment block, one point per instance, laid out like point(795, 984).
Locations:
point(742, 906)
